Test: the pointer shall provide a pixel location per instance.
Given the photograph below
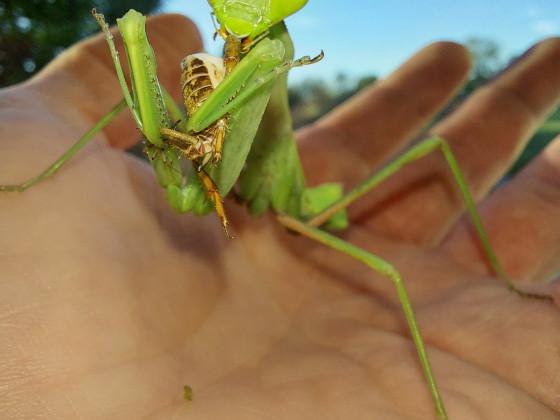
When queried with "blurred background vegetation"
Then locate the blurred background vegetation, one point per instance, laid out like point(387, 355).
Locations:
point(311, 99)
point(33, 32)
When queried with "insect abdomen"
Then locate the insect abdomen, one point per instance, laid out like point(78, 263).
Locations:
point(201, 74)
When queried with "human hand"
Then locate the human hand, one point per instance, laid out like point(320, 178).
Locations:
point(111, 302)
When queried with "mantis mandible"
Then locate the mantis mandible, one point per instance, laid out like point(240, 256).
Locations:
point(299, 209)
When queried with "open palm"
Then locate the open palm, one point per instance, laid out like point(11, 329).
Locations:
point(111, 303)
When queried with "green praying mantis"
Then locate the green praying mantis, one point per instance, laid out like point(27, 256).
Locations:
point(263, 160)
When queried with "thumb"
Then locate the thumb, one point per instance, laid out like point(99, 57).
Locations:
point(84, 77)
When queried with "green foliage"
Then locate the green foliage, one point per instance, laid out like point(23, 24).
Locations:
point(538, 142)
point(486, 63)
point(33, 32)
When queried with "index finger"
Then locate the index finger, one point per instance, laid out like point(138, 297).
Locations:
point(83, 78)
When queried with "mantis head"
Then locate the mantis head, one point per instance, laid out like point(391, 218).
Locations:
point(250, 18)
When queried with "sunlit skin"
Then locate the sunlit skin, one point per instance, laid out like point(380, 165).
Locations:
point(111, 302)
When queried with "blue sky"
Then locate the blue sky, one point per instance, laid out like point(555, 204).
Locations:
point(372, 37)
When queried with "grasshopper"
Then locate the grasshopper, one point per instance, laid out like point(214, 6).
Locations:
point(223, 140)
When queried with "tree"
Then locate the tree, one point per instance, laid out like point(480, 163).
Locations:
point(34, 32)
point(313, 98)
point(486, 62)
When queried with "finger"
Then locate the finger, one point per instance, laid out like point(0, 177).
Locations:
point(491, 128)
point(84, 77)
point(422, 202)
point(346, 145)
point(522, 223)
point(488, 132)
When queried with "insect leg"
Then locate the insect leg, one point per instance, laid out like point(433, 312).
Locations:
point(416, 152)
point(303, 61)
point(197, 148)
point(386, 269)
point(214, 194)
point(221, 128)
point(232, 48)
point(69, 153)
point(182, 141)
point(231, 59)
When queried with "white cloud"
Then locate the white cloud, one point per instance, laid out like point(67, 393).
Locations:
point(546, 27)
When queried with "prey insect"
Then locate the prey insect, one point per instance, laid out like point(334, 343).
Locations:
point(205, 81)
point(239, 127)
point(201, 74)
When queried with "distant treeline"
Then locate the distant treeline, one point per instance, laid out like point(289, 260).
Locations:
point(32, 33)
point(311, 99)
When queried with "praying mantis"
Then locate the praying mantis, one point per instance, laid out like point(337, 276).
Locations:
point(300, 209)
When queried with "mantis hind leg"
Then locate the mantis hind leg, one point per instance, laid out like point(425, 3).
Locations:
point(386, 269)
point(419, 150)
point(69, 153)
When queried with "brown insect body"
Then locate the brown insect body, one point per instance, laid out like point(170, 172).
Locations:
point(201, 74)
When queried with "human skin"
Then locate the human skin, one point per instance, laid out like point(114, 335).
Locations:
point(111, 302)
